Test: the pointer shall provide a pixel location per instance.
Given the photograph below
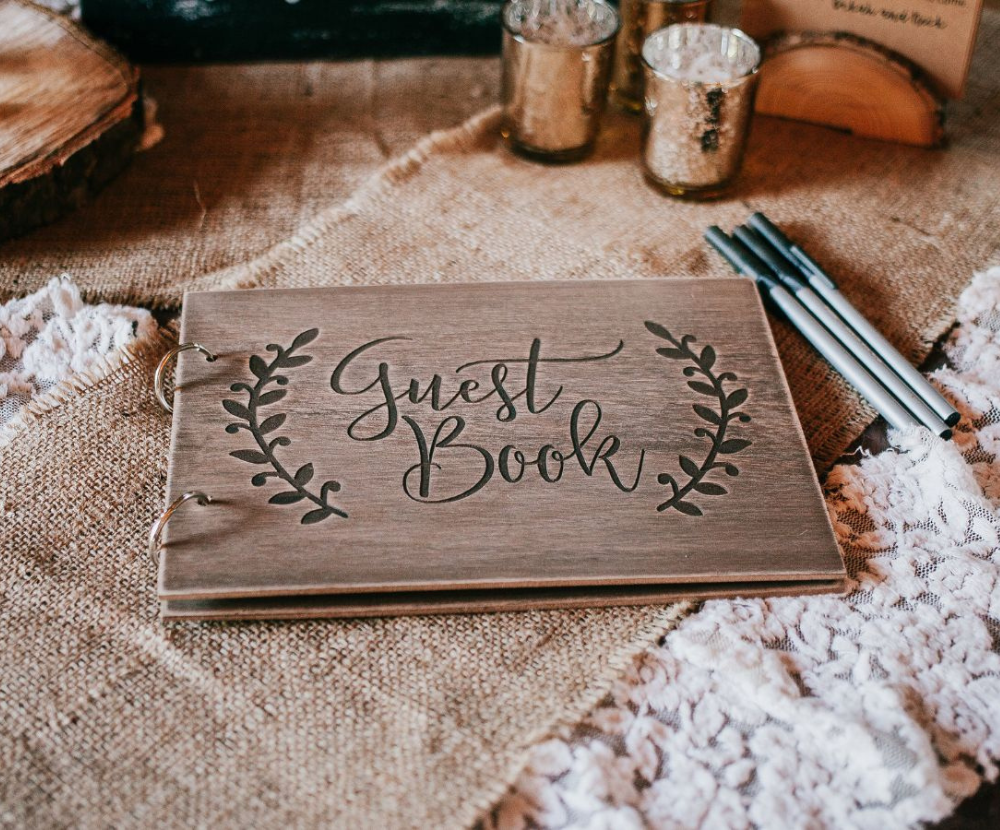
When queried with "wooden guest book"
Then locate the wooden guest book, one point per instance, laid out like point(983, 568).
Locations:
point(428, 449)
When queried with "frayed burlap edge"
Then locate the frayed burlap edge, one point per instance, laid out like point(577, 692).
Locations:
point(564, 722)
point(461, 138)
point(249, 275)
point(79, 383)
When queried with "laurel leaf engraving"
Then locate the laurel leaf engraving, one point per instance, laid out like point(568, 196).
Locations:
point(250, 456)
point(304, 475)
point(304, 339)
point(689, 467)
point(318, 515)
point(710, 489)
point(258, 397)
point(733, 445)
point(289, 497)
point(722, 415)
point(658, 330)
point(236, 409)
point(675, 354)
point(273, 396)
point(707, 414)
point(707, 359)
point(294, 362)
point(702, 388)
point(258, 366)
point(736, 398)
point(271, 424)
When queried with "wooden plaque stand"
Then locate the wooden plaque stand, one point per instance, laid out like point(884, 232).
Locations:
point(851, 83)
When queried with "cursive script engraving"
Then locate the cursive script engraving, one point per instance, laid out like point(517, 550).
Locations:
point(477, 463)
point(387, 408)
point(550, 462)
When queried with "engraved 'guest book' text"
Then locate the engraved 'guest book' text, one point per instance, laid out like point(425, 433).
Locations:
point(424, 449)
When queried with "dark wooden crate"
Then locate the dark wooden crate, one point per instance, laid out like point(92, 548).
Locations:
point(239, 30)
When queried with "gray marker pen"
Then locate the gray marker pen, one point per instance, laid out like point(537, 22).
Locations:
point(744, 261)
point(820, 281)
point(795, 283)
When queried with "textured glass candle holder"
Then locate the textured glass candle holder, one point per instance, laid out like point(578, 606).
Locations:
point(700, 81)
point(640, 18)
point(556, 67)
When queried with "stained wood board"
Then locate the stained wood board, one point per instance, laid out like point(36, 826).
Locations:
point(672, 462)
point(850, 83)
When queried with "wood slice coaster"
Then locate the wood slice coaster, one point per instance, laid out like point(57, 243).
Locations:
point(851, 83)
point(70, 116)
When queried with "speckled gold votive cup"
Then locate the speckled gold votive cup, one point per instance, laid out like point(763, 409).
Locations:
point(553, 92)
point(640, 18)
point(700, 84)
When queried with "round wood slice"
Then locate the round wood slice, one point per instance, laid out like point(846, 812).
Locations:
point(850, 83)
point(70, 115)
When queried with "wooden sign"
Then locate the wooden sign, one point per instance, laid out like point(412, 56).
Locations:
point(852, 84)
point(416, 449)
point(937, 35)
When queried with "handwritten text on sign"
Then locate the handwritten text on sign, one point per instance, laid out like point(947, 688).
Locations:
point(937, 35)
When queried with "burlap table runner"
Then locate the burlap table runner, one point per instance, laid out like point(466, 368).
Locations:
point(901, 228)
point(250, 153)
point(106, 718)
point(110, 719)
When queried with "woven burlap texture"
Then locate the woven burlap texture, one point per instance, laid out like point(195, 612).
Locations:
point(459, 208)
point(110, 719)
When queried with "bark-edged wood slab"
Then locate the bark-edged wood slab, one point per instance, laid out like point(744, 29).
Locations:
point(850, 83)
point(70, 115)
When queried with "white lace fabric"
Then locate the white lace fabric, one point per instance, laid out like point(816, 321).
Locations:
point(877, 709)
point(52, 336)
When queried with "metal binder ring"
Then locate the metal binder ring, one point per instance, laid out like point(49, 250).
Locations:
point(161, 369)
point(160, 523)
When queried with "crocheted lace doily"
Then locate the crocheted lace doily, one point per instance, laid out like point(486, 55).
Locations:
point(878, 709)
point(51, 336)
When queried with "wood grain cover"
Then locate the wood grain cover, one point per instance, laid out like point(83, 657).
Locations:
point(559, 440)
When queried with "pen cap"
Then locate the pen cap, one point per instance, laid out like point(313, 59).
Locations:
point(771, 232)
point(769, 255)
point(792, 252)
point(739, 256)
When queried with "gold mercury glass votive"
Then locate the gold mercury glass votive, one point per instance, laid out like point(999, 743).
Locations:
point(640, 18)
point(556, 67)
point(700, 84)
